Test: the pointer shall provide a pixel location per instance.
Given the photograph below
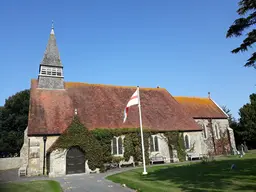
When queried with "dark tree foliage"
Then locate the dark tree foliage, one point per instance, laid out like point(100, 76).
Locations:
point(231, 119)
point(247, 122)
point(13, 122)
point(247, 13)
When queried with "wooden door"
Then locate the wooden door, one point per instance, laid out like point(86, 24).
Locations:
point(75, 161)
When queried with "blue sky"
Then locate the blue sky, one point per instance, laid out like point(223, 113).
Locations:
point(176, 45)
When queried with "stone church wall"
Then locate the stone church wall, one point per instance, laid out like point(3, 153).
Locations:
point(32, 152)
point(223, 144)
point(195, 142)
point(57, 163)
point(163, 148)
point(35, 151)
point(10, 163)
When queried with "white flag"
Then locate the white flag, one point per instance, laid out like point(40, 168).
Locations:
point(134, 100)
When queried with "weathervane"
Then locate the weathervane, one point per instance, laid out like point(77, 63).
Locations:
point(52, 25)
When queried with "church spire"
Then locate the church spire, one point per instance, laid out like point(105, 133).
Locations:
point(52, 31)
point(51, 68)
point(51, 55)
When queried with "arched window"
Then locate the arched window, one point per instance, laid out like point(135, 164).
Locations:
point(154, 145)
point(217, 131)
point(117, 146)
point(151, 144)
point(114, 146)
point(187, 142)
point(120, 145)
point(204, 131)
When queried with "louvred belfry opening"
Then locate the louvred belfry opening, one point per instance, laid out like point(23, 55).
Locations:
point(51, 69)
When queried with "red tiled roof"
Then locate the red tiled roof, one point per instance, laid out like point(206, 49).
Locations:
point(102, 106)
point(201, 107)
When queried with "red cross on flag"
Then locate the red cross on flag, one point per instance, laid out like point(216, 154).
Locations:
point(134, 100)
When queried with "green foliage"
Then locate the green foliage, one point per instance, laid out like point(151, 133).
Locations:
point(78, 135)
point(248, 19)
point(132, 145)
point(175, 140)
point(97, 143)
point(13, 122)
point(116, 159)
point(248, 122)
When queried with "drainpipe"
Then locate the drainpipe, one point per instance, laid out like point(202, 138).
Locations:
point(44, 138)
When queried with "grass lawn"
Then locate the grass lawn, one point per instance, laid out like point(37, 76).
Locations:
point(32, 186)
point(194, 177)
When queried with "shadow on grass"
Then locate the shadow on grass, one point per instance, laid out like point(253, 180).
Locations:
point(214, 175)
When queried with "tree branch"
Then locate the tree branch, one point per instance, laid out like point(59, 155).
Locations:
point(240, 25)
point(251, 62)
point(245, 6)
point(247, 42)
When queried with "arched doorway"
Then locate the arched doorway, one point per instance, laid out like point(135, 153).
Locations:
point(75, 161)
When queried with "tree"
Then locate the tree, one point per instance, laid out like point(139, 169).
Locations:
point(231, 119)
point(247, 11)
point(13, 122)
point(247, 122)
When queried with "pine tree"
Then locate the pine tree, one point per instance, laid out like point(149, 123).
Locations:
point(247, 13)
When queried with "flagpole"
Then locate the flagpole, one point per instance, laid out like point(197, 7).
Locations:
point(141, 134)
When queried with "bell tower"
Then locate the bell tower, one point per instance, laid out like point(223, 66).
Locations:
point(51, 69)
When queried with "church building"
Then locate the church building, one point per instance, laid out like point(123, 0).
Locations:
point(54, 103)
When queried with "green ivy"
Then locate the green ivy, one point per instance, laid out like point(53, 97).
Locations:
point(96, 144)
point(132, 145)
point(175, 140)
point(78, 135)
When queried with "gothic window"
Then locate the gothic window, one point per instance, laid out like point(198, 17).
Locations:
point(154, 146)
point(117, 146)
point(120, 145)
point(151, 144)
point(114, 146)
point(156, 143)
point(51, 71)
point(187, 142)
point(204, 131)
point(217, 131)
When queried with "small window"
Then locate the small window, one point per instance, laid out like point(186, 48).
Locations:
point(187, 146)
point(117, 146)
point(120, 145)
point(51, 71)
point(217, 131)
point(151, 144)
point(59, 72)
point(114, 146)
point(43, 71)
point(154, 146)
point(156, 143)
point(204, 131)
point(54, 71)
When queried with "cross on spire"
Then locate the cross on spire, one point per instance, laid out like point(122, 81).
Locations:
point(52, 31)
